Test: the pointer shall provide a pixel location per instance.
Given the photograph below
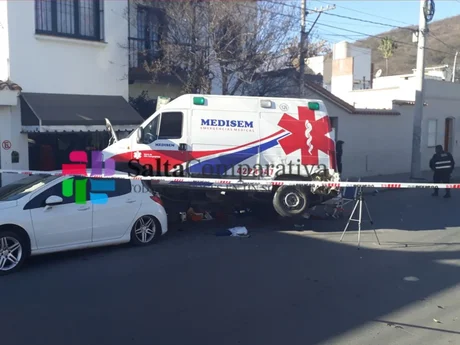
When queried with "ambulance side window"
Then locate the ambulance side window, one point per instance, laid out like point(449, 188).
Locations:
point(151, 131)
point(171, 125)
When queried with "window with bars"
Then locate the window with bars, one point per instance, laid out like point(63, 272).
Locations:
point(145, 47)
point(70, 18)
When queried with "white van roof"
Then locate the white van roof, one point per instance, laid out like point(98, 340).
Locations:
point(230, 102)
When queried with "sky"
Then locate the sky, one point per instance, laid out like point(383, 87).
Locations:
point(393, 13)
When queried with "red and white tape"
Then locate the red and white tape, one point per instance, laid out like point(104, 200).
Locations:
point(237, 182)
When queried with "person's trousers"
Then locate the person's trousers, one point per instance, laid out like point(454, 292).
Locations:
point(339, 165)
point(441, 177)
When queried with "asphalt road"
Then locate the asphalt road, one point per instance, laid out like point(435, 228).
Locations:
point(276, 287)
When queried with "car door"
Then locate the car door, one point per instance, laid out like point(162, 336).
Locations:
point(164, 142)
point(113, 218)
point(64, 224)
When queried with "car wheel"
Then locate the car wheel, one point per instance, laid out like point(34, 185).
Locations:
point(146, 230)
point(12, 252)
point(290, 201)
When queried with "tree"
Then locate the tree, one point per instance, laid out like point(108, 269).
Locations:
point(248, 37)
point(387, 47)
point(181, 47)
point(281, 79)
point(143, 104)
point(225, 43)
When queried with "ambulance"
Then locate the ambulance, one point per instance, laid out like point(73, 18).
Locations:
point(237, 138)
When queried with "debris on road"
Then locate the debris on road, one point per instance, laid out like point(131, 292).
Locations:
point(239, 231)
point(437, 321)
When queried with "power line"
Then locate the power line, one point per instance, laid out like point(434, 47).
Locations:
point(351, 18)
point(390, 25)
point(378, 36)
point(369, 14)
point(336, 27)
point(444, 43)
point(369, 21)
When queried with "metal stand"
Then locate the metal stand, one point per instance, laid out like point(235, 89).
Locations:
point(359, 202)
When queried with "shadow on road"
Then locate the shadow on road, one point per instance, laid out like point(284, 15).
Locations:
point(276, 287)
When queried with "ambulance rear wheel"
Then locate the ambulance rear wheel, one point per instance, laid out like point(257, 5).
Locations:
point(290, 201)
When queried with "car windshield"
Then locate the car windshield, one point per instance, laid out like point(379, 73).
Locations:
point(20, 188)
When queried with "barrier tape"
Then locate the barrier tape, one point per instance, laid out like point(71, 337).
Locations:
point(189, 180)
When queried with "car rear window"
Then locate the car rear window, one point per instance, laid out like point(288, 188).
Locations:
point(20, 188)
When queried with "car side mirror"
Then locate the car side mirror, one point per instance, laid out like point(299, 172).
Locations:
point(53, 200)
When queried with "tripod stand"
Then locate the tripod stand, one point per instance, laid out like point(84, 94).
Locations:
point(359, 202)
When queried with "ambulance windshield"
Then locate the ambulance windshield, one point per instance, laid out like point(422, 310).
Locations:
point(150, 132)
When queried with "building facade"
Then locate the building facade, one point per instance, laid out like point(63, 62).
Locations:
point(66, 62)
point(147, 27)
point(440, 120)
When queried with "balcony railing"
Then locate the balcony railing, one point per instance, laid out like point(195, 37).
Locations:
point(142, 51)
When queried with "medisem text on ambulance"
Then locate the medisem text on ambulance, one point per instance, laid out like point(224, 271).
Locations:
point(165, 168)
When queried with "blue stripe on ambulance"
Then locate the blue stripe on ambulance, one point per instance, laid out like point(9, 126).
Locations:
point(231, 159)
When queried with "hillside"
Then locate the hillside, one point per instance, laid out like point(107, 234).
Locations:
point(404, 58)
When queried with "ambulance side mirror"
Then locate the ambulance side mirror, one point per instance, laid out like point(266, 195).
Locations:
point(139, 134)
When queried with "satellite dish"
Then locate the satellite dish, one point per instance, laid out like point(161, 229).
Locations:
point(378, 73)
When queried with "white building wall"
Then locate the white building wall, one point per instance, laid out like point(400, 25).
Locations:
point(405, 79)
point(378, 99)
point(362, 59)
point(4, 42)
point(10, 128)
point(340, 50)
point(374, 144)
point(443, 101)
point(321, 65)
point(392, 81)
point(342, 85)
point(49, 64)
point(395, 136)
point(351, 69)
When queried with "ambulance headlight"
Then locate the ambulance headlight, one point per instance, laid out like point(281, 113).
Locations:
point(313, 105)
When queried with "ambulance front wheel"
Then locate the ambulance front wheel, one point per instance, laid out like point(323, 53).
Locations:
point(290, 201)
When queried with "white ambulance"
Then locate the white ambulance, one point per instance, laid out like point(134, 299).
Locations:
point(236, 137)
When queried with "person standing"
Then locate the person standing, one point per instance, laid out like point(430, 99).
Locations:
point(339, 152)
point(442, 163)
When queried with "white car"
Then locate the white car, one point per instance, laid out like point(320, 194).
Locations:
point(40, 214)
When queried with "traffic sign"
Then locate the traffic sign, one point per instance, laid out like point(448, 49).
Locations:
point(6, 144)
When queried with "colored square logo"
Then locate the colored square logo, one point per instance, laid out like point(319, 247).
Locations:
point(99, 186)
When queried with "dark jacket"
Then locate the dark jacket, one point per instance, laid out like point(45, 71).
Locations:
point(442, 162)
point(339, 148)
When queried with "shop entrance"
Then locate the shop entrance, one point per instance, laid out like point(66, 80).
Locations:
point(48, 151)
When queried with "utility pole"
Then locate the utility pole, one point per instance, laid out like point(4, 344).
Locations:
point(303, 38)
point(454, 68)
point(426, 15)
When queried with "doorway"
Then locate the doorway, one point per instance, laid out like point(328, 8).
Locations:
point(334, 121)
point(449, 134)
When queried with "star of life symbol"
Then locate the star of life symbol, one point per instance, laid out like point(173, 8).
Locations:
point(308, 130)
point(315, 135)
point(137, 155)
